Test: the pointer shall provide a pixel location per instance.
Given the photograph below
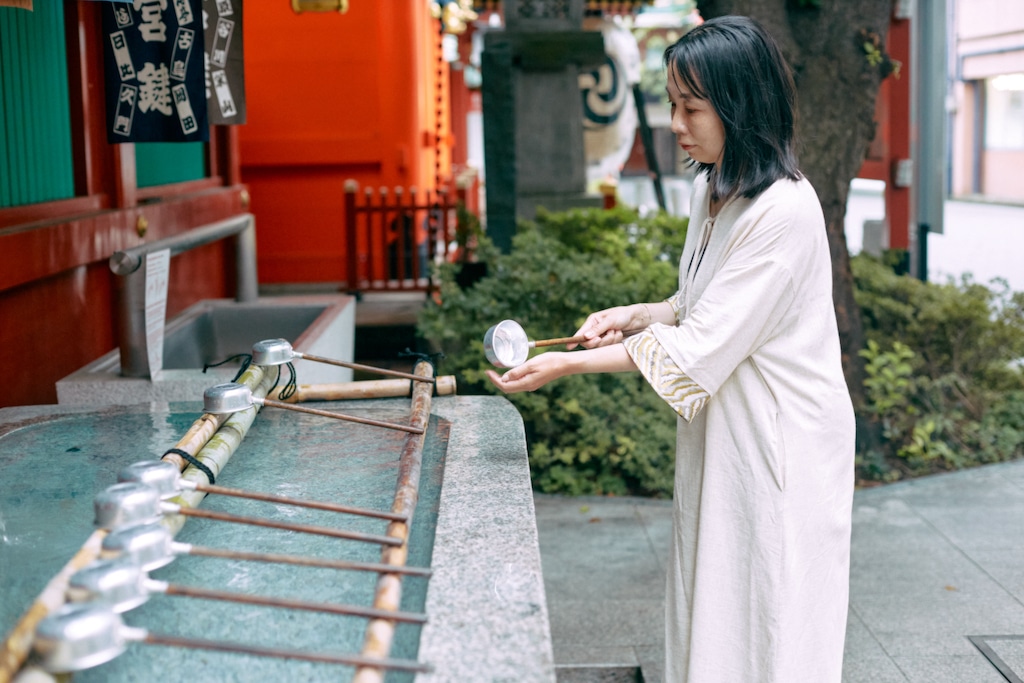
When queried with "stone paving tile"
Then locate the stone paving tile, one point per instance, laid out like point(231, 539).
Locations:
point(598, 550)
point(871, 669)
point(990, 526)
point(911, 626)
point(592, 674)
point(949, 669)
point(1005, 566)
point(657, 520)
point(611, 623)
point(895, 550)
point(622, 655)
point(860, 642)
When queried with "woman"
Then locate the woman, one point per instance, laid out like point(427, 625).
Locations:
point(747, 353)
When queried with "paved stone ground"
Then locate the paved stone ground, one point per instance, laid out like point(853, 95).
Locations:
point(934, 560)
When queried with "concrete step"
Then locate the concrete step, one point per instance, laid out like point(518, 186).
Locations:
point(587, 673)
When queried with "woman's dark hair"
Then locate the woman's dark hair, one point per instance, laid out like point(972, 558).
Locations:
point(734, 64)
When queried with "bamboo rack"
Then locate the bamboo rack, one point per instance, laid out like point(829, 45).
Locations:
point(211, 439)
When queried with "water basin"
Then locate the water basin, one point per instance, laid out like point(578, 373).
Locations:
point(212, 331)
point(473, 525)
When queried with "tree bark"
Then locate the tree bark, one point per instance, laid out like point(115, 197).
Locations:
point(837, 88)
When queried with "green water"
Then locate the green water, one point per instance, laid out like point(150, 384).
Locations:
point(51, 470)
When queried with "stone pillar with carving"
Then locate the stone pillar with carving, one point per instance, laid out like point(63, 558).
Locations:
point(533, 113)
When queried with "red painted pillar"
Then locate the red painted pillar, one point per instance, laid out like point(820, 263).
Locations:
point(892, 141)
point(897, 187)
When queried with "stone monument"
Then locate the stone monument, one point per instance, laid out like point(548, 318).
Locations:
point(533, 113)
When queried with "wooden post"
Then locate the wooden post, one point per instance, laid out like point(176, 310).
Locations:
point(351, 239)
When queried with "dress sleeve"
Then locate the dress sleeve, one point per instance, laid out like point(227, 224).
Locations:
point(685, 396)
point(676, 302)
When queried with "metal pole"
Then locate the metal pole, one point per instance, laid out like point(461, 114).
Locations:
point(647, 139)
point(129, 264)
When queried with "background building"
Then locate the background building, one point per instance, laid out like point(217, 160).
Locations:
point(987, 99)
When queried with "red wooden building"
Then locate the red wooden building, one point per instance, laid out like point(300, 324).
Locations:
point(360, 95)
point(71, 200)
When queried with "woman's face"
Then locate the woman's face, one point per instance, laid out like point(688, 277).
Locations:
point(695, 122)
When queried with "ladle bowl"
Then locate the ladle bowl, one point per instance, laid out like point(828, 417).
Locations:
point(273, 352)
point(126, 503)
point(229, 397)
point(117, 583)
point(148, 545)
point(506, 344)
point(79, 636)
point(162, 475)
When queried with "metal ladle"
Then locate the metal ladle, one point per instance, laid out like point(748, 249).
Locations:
point(165, 477)
point(506, 344)
point(122, 585)
point(131, 502)
point(280, 351)
point(151, 545)
point(232, 397)
point(81, 636)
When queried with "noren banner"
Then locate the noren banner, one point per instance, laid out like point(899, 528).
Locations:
point(155, 72)
point(225, 75)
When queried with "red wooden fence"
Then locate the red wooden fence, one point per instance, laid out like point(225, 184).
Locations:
point(393, 237)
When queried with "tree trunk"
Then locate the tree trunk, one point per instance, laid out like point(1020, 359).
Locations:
point(837, 88)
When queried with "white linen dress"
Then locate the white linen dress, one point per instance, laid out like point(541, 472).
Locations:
point(759, 567)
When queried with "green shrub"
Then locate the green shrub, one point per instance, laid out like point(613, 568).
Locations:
point(587, 434)
point(944, 378)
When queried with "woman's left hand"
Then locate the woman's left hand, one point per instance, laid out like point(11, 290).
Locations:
point(533, 374)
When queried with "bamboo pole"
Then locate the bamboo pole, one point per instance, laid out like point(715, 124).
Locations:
point(19, 641)
point(388, 596)
point(206, 429)
point(208, 424)
point(218, 448)
point(364, 389)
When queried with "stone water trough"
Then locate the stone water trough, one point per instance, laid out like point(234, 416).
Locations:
point(473, 526)
point(210, 331)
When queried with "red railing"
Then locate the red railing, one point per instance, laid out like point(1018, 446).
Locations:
point(394, 236)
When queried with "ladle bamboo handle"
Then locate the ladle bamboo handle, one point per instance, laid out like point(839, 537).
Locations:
point(287, 526)
point(365, 368)
point(287, 603)
point(556, 342)
point(341, 416)
point(238, 648)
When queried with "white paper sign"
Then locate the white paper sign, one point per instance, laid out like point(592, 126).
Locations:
point(158, 267)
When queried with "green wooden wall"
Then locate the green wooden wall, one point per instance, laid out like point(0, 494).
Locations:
point(36, 163)
point(36, 158)
point(160, 163)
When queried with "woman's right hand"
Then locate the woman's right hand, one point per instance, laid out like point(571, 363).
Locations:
point(607, 327)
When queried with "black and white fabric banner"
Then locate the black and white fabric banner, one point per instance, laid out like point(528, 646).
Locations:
point(225, 73)
point(153, 56)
